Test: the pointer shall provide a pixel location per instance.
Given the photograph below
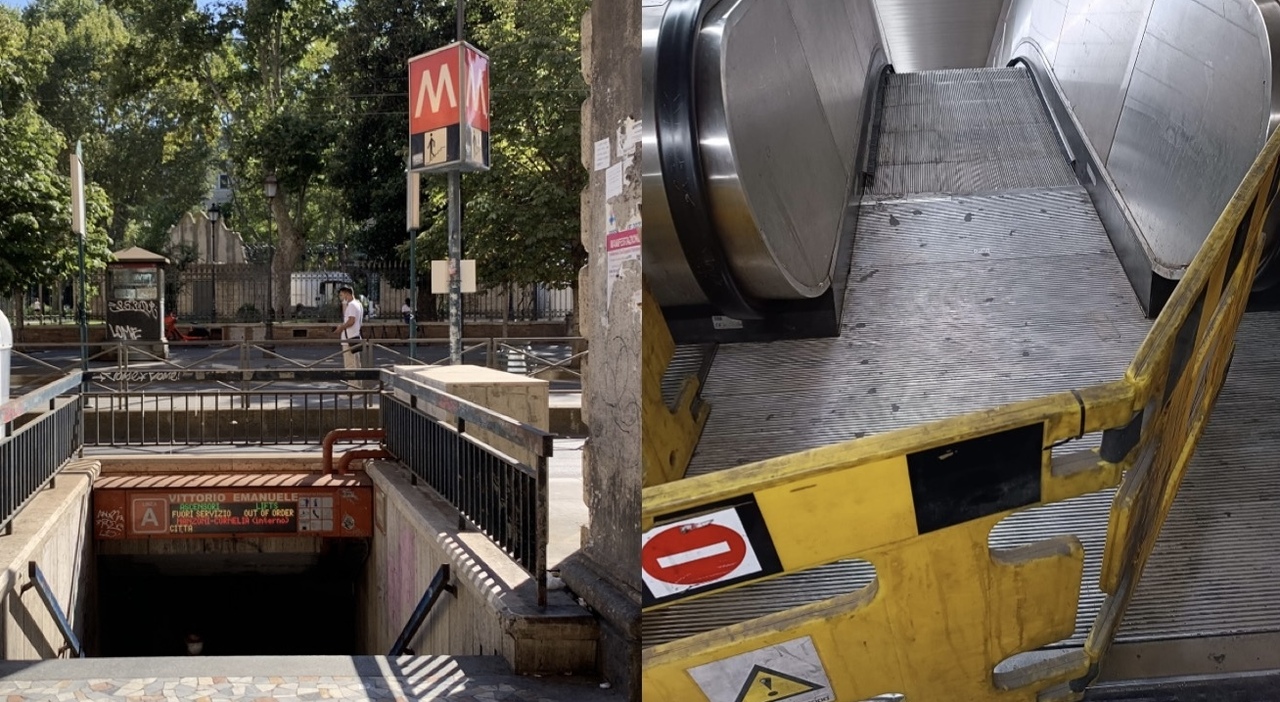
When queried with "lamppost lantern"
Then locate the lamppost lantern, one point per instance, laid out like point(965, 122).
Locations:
point(270, 186)
point(215, 212)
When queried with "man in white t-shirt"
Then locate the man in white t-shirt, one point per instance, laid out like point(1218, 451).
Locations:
point(349, 330)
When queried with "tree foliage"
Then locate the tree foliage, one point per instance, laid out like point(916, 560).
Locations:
point(166, 93)
point(522, 216)
point(36, 243)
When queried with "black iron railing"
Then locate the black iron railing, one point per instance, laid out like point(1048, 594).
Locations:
point(549, 358)
point(271, 407)
point(500, 496)
point(41, 432)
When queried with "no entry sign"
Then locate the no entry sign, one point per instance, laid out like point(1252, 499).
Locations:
point(705, 552)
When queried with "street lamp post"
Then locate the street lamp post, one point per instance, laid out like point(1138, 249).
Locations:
point(214, 213)
point(270, 186)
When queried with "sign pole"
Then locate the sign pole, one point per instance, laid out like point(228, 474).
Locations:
point(77, 228)
point(449, 132)
point(414, 222)
point(455, 239)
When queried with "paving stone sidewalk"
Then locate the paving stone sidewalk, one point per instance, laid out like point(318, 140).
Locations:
point(288, 679)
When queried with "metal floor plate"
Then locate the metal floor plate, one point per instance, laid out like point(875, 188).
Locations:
point(955, 304)
point(966, 131)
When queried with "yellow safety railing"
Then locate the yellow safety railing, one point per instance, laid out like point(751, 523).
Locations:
point(919, 503)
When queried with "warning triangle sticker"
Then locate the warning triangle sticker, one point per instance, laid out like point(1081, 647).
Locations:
point(766, 685)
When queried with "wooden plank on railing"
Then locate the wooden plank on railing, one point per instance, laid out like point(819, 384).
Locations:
point(38, 400)
point(526, 436)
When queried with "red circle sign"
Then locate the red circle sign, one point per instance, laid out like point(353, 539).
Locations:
point(693, 554)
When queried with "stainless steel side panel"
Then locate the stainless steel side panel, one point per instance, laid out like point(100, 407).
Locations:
point(928, 34)
point(1094, 58)
point(1174, 95)
point(780, 99)
point(1193, 120)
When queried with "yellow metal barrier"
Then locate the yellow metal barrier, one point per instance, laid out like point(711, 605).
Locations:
point(670, 434)
point(1177, 374)
point(919, 503)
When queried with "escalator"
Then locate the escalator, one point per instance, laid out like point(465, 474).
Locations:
point(977, 260)
point(981, 275)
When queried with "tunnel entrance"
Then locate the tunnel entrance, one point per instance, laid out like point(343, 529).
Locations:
point(237, 604)
point(250, 563)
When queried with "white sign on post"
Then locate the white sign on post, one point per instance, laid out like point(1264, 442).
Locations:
point(413, 213)
point(77, 194)
point(440, 277)
point(601, 155)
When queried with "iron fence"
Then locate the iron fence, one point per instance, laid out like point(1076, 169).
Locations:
point(41, 433)
point(438, 437)
point(122, 365)
point(240, 293)
point(274, 407)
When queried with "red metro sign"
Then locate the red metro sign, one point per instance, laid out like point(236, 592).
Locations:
point(449, 109)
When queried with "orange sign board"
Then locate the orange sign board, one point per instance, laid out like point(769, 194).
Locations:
point(449, 109)
point(435, 96)
point(334, 512)
point(477, 97)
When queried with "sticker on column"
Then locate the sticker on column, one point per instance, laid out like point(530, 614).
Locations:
point(620, 247)
point(790, 671)
point(706, 552)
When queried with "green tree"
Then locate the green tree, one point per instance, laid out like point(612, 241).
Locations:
point(36, 243)
point(146, 143)
point(261, 66)
point(522, 217)
point(371, 71)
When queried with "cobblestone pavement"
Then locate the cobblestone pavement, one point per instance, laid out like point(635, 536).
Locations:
point(444, 679)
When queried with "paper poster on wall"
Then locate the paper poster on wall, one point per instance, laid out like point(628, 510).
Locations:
point(602, 155)
point(613, 181)
point(621, 247)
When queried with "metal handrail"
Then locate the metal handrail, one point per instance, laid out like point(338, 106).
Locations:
point(51, 602)
point(439, 584)
point(120, 352)
point(34, 400)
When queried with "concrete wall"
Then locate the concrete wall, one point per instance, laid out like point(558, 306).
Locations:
point(54, 531)
point(606, 573)
point(494, 609)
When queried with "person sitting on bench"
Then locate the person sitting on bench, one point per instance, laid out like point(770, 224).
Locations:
point(172, 333)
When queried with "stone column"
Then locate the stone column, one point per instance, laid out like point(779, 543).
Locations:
point(606, 572)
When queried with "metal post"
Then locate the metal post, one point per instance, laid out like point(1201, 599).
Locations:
point(413, 220)
point(271, 284)
point(213, 260)
point(78, 228)
point(455, 268)
point(413, 294)
point(455, 238)
point(83, 315)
